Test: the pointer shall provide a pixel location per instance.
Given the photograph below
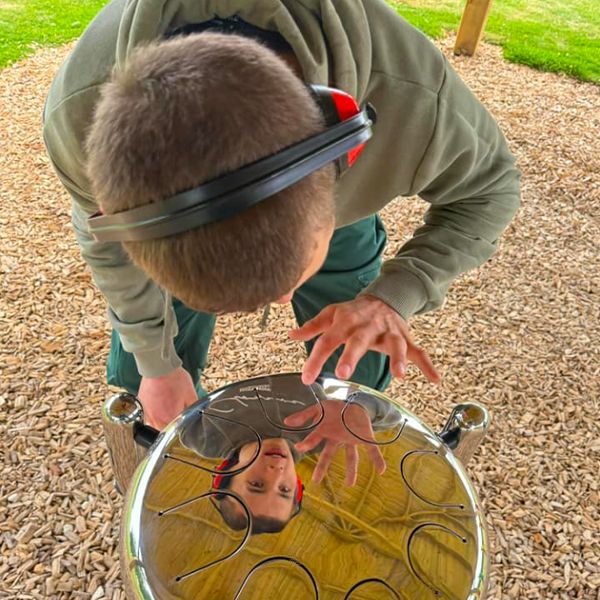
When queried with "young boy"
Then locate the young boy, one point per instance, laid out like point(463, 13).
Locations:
point(202, 89)
point(230, 427)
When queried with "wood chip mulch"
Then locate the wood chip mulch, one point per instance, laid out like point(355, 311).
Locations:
point(520, 335)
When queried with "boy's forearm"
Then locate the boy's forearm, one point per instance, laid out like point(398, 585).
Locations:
point(417, 279)
point(469, 176)
point(136, 304)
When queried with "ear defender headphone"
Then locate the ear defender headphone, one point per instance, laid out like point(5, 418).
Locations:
point(348, 128)
point(221, 482)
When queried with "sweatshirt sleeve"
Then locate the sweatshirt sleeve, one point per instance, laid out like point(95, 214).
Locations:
point(469, 177)
point(137, 307)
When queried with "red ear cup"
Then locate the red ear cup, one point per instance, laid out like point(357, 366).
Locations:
point(218, 479)
point(299, 490)
point(347, 107)
point(338, 106)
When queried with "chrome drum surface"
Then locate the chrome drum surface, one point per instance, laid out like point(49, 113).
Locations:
point(214, 509)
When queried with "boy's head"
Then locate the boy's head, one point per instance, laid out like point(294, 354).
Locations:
point(184, 111)
point(269, 487)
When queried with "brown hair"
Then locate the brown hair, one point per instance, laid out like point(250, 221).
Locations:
point(184, 111)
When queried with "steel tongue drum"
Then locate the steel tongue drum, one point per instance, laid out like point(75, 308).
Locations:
point(271, 489)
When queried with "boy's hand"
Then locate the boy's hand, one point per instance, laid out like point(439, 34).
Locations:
point(165, 397)
point(365, 323)
point(336, 435)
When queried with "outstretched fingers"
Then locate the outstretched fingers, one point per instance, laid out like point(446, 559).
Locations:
point(398, 355)
point(324, 347)
point(298, 419)
point(324, 461)
point(310, 441)
point(351, 465)
point(315, 326)
point(376, 458)
point(355, 348)
point(420, 358)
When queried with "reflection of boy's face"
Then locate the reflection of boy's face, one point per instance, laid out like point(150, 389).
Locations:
point(268, 485)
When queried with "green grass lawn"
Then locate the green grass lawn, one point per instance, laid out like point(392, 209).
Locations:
point(554, 35)
point(27, 24)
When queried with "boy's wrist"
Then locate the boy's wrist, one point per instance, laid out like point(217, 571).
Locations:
point(401, 290)
point(157, 362)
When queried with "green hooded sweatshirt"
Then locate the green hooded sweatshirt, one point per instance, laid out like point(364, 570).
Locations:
point(432, 138)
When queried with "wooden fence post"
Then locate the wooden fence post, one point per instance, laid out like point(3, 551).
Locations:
point(471, 27)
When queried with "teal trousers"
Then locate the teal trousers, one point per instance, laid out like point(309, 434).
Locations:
point(353, 261)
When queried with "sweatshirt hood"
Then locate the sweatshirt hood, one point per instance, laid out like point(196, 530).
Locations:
point(331, 40)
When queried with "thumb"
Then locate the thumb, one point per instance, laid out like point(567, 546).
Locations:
point(315, 326)
point(301, 416)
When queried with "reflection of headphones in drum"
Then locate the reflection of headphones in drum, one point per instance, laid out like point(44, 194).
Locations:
point(348, 127)
point(221, 482)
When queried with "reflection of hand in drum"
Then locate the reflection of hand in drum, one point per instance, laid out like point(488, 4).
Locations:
point(336, 434)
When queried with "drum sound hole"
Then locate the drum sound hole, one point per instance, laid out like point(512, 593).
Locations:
point(414, 454)
point(274, 559)
point(409, 550)
point(372, 580)
point(227, 556)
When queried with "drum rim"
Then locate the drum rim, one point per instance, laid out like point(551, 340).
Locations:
point(133, 571)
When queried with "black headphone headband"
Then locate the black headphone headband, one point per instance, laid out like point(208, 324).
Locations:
point(227, 195)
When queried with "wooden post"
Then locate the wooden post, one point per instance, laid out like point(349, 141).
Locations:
point(471, 27)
